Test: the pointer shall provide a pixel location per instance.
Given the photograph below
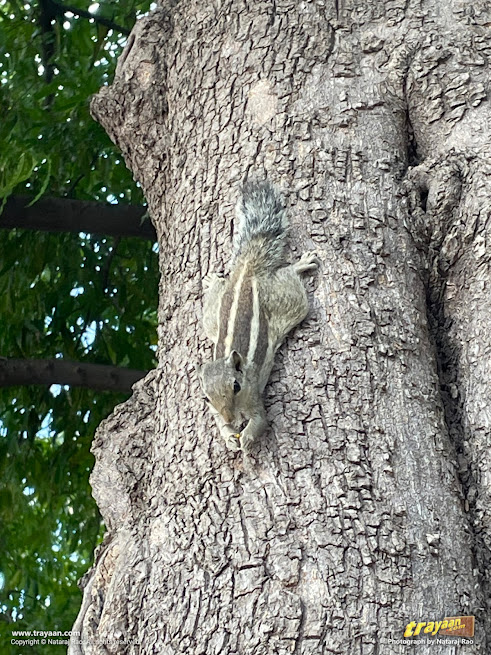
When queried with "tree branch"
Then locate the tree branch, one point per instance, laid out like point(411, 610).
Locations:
point(67, 215)
point(47, 14)
point(82, 13)
point(22, 372)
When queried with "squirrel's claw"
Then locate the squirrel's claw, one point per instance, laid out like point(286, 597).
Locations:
point(210, 279)
point(309, 261)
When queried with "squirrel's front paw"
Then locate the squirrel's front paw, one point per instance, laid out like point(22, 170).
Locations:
point(210, 279)
point(309, 261)
point(231, 438)
point(246, 441)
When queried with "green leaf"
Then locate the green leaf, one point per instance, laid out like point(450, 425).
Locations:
point(44, 184)
point(13, 172)
point(49, 144)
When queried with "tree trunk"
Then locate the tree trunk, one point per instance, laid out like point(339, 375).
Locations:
point(366, 505)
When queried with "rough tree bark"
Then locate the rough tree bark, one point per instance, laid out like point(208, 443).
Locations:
point(367, 503)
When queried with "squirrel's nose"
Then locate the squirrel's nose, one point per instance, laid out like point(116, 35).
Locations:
point(227, 415)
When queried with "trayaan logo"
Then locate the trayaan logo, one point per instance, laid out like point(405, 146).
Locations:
point(454, 626)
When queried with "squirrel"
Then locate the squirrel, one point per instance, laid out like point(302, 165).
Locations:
point(248, 315)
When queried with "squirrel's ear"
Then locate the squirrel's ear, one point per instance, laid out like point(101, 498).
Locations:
point(236, 360)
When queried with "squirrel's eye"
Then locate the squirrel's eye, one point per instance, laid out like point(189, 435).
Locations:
point(236, 386)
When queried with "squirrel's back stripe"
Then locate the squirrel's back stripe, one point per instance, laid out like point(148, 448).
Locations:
point(243, 325)
point(229, 310)
point(241, 318)
point(262, 335)
point(254, 322)
point(223, 316)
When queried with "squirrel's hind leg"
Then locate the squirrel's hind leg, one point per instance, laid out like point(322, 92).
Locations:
point(288, 306)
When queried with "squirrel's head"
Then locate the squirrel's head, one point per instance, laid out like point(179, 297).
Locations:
point(222, 383)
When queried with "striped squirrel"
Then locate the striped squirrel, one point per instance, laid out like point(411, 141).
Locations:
point(248, 315)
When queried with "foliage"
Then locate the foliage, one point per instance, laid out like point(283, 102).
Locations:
point(78, 296)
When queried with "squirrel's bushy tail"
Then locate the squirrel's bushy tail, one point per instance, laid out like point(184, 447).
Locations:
point(261, 225)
